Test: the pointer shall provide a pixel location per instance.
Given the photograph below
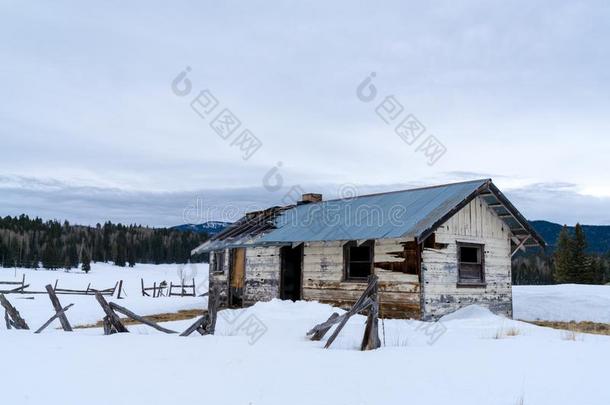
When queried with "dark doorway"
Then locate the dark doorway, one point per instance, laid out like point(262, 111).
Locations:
point(237, 272)
point(292, 262)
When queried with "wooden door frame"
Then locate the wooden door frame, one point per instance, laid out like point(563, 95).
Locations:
point(232, 252)
point(301, 256)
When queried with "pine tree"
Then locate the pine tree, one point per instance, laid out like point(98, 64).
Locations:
point(28, 242)
point(564, 258)
point(131, 255)
point(582, 263)
point(121, 247)
point(50, 258)
point(86, 262)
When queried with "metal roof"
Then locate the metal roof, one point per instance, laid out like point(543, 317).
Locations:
point(412, 213)
point(406, 213)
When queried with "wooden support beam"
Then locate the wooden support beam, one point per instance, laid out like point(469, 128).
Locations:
point(355, 309)
point(54, 317)
point(108, 328)
point(17, 321)
point(112, 318)
point(144, 293)
point(367, 301)
point(120, 287)
point(206, 325)
point(213, 303)
point(520, 246)
point(19, 289)
point(65, 324)
point(329, 322)
point(198, 323)
point(138, 318)
point(370, 339)
point(319, 334)
point(326, 324)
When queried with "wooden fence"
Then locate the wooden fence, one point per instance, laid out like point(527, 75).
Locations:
point(162, 289)
point(21, 289)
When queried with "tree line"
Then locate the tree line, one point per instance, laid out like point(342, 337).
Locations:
point(32, 242)
point(569, 263)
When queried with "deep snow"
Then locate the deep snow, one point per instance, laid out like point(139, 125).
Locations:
point(260, 355)
point(564, 302)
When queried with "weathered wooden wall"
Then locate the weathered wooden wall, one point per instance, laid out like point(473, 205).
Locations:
point(262, 274)
point(475, 223)
point(220, 280)
point(324, 278)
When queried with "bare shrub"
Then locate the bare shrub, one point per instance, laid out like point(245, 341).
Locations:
point(502, 333)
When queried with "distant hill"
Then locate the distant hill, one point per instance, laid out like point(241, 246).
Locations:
point(598, 236)
point(209, 227)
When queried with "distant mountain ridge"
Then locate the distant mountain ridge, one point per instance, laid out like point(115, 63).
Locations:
point(209, 227)
point(598, 236)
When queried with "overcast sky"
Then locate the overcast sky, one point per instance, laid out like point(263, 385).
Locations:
point(92, 130)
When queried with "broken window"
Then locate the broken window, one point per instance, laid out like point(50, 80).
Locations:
point(358, 260)
point(407, 259)
point(431, 243)
point(471, 263)
point(219, 261)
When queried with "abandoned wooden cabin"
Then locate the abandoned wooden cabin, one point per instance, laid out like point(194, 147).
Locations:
point(434, 249)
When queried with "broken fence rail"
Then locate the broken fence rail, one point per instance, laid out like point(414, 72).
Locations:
point(112, 323)
point(367, 303)
point(110, 292)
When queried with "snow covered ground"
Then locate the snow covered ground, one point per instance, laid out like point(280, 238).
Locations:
point(86, 310)
point(564, 302)
point(260, 355)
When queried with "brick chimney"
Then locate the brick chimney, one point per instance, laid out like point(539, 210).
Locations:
point(310, 198)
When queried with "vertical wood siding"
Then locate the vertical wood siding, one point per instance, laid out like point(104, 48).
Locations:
point(220, 281)
point(475, 223)
point(262, 274)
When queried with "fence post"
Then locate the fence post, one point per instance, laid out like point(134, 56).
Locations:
point(55, 301)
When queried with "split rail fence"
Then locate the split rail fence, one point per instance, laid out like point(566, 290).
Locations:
point(22, 286)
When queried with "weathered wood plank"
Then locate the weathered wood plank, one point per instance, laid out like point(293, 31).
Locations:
point(475, 223)
point(112, 318)
point(51, 319)
point(320, 332)
point(358, 307)
point(139, 318)
point(17, 321)
point(199, 322)
point(63, 319)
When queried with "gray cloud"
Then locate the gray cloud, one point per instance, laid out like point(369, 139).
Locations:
point(558, 202)
point(514, 90)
